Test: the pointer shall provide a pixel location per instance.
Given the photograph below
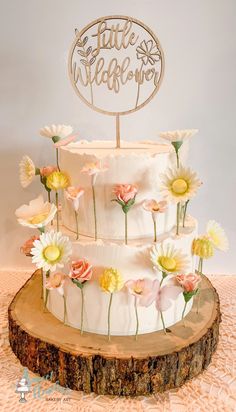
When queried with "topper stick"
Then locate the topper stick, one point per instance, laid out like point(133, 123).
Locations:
point(117, 131)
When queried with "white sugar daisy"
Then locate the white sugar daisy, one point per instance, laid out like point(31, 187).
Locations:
point(56, 131)
point(217, 236)
point(27, 171)
point(51, 251)
point(178, 135)
point(179, 185)
point(168, 259)
point(37, 214)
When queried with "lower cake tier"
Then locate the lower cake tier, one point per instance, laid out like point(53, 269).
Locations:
point(133, 262)
point(124, 366)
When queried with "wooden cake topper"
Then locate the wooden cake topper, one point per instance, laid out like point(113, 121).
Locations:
point(116, 66)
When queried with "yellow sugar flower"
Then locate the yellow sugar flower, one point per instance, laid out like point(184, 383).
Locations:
point(111, 280)
point(202, 247)
point(57, 180)
point(217, 236)
point(179, 185)
point(168, 259)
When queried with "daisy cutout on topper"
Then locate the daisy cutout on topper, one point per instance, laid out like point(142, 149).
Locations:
point(81, 271)
point(177, 138)
point(56, 282)
point(37, 214)
point(60, 135)
point(168, 260)
point(125, 197)
point(151, 205)
point(93, 170)
point(110, 281)
point(178, 186)
point(144, 292)
point(73, 195)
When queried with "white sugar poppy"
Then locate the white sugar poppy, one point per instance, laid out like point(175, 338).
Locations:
point(37, 214)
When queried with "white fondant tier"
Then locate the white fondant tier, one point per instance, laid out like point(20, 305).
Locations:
point(133, 261)
point(134, 163)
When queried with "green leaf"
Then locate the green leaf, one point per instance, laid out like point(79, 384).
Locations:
point(130, 202)
point(118, 201)
point(177, 145)
point(77, 283)
point(189, 295)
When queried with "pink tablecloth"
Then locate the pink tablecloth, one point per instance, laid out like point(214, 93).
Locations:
point(212, 391)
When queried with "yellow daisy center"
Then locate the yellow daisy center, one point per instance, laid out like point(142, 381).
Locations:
point(179, 186)
point(168, 263)
point(28, 169)
point(138, 290)
point(51, 253)
point(38, 218)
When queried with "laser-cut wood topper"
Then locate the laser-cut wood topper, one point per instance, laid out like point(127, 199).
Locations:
point(116, 66)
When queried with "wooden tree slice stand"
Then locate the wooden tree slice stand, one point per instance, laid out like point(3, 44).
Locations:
point(154, 363)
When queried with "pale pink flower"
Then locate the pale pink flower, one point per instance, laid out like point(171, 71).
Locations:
point(189, 282)
point(81, 270)
point(73, 194)
point(125, 192)
point(151, 205)
point(56, 281)
point(65, 141)
point(27, 246)
point(165, 295)
point(93, 169)
point(144, 290)
point(47, 170)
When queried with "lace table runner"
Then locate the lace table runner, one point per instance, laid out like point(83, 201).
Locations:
point(213, 391)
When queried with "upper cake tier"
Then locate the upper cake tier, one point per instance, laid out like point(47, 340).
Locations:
point(135, 163)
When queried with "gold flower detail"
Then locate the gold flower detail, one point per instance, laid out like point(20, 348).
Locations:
point(148, 52)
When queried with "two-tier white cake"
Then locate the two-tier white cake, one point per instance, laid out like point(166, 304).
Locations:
point(136, 163)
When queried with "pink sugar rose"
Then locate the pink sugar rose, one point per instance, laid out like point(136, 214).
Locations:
point(27, 246)
point(81, 270)
point(47, 170)
point(189, 282)
point(125, 192)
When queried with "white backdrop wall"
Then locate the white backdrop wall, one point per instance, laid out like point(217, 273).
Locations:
point(198, 91)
